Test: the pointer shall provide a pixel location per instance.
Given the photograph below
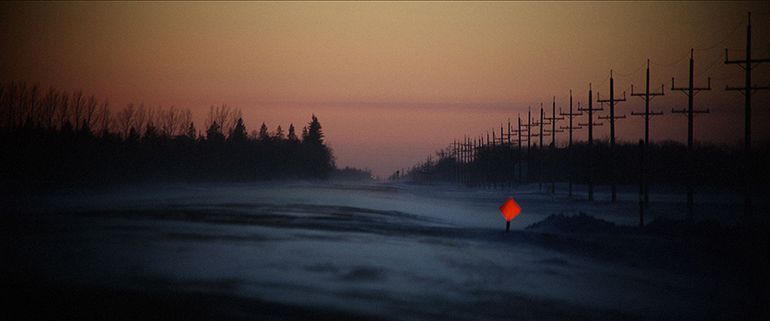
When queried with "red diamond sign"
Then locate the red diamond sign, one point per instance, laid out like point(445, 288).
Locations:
point(510, 209)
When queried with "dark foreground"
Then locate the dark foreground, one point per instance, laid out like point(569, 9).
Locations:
point(333, 252)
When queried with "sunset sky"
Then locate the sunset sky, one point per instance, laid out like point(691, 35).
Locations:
point(392, 82)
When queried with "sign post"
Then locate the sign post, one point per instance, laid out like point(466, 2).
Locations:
point(509, 209)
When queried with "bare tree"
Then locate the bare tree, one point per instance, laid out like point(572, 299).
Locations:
point(140, 119)
point(126, 119)
point(185, 122)
point(3, 104)
point(174, 121)
point(103, 118)
point(49, 108)
point(63, 115)
point(89, 111)
point(78, 108)
point(29, 105)
point(224, 116)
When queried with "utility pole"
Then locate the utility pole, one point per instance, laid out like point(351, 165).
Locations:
point(529, 141)
point(590, 112)
point(690, 91)
point(474, 157)
point(529, 129)
point(571, 115)
point(465, 156)
point(489, 150)
point(747, 64)
point(509, 153)
point(553, 119)
point(493, 138)
point(646, 96)
point(612, 118)
point(540, 127)
point(454, 157)
point(641, 183)
point(501, 133)
point(521, 159)
point(540, 148)
point(509, 132)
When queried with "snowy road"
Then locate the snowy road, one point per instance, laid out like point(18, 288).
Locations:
point(368, 251)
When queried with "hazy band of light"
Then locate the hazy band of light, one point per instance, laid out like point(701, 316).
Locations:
point(391, 82)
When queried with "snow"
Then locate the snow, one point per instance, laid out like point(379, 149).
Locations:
point(391, 251)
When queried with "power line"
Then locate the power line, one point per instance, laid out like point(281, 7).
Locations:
point(677, 61)
point(723, 40)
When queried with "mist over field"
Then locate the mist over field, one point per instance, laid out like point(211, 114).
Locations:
point(307, 250)
point(274, 160)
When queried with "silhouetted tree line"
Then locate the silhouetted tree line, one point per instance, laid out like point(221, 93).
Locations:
point(666, 163)
point(54, 137)
point(352, 174)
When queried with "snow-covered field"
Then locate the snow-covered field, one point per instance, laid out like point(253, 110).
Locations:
point(386, 251)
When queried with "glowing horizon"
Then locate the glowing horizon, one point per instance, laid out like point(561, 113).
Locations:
point(393, 82)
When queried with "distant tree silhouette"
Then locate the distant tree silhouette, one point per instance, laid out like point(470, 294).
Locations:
point(133, 134)
point(318, 159)
point(190, 133)
point(314, 135)
point(292, 136)
point(264, 135)
point(238, 134)
point(151, 133)
point(279, 135)
point(54, 137)
point(214, 133)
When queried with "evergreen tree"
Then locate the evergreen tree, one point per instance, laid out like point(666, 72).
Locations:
point(239, 132)
point(314, 133)
point(279, 135)
point(292, 135)
point(264, 135)
point(214, 133)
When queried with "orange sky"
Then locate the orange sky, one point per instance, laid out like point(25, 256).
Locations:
point(390, 82)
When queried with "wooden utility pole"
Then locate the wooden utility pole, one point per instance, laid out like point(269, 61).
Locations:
point(540, 135)
point(646, 96)
point(747, 64)
point(540, 127)
point(529, 129)
point(612, 117)
point(529, 141)
point(551, 160)
point(690, 91)
point(454, 157)
point(553, 119)
point(509, 132)
point(521, 158)
point(571, 115)
point(508, 154)
point(590, 110)
point(641, 183)
point(466, 159)
point(489, 180)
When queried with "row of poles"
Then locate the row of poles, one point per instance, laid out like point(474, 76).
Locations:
point(466, 150)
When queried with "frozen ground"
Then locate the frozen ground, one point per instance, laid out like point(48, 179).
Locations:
point(385, 251)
